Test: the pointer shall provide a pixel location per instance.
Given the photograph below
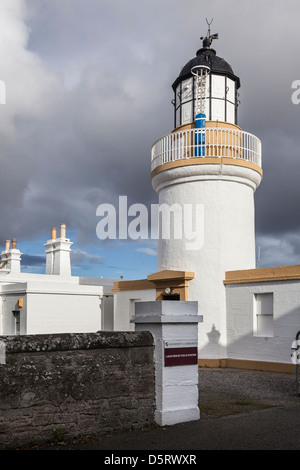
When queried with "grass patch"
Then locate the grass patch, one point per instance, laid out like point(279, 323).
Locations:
point(245, 403)
point(227, 408)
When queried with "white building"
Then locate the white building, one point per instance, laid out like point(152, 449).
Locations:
point(250, 316)
point(211, 166)
point(54, 302)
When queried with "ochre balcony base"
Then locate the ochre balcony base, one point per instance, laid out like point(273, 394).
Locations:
point(249, 365)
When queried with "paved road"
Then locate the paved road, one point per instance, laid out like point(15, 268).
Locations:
point(271, 429)
point(240, 410)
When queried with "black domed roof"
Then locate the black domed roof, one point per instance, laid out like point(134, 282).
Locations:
point(207, 56)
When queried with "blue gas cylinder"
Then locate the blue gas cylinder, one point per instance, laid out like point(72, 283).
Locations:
point(200, 120)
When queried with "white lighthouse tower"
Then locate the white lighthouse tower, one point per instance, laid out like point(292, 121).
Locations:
point(211, 167)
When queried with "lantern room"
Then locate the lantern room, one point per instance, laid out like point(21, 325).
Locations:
point(221, 88)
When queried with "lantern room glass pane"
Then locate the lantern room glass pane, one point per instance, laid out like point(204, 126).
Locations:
point(218, 110)
point(218, 86)
point(207, 109)
point(178, 96)
point(178, 123)
point(187, 90)
point(230, 113)
point(187, 113)
point(230, 90)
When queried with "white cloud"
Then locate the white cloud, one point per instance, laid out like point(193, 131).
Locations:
point(147, 251)
point(278, 250)
point(31, 90)
point(82, 256)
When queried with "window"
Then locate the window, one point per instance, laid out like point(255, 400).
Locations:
point(17, 322)
point(218, 110)
point(263, 315)
point(171, 297)
point(187, 113)
point(218, 86)
point(230, 113)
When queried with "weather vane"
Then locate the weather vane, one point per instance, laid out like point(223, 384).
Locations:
point(209, 37)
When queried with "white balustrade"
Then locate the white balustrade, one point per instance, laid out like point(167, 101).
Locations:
point(203, 143)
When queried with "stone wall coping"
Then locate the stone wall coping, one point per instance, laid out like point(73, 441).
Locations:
point(76, 341)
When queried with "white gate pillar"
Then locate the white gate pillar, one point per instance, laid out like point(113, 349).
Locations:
point(174, 326)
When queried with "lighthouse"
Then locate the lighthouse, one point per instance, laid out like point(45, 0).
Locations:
point(209, 168)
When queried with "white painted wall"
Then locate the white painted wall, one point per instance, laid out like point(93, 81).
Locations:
point(124, 306)
point(10, 294)
point(61, 313)
point(227, 195)
point(51, 307)
point(241, 333)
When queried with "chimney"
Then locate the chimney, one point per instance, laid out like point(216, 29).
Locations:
point(49, 252)
point(58, 253)
point(11, 257)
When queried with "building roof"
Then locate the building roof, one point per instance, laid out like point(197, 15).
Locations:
point(207, 56)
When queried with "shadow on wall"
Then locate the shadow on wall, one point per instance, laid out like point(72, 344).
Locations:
point(247, 344)
point(214, 335)
point(212, 349)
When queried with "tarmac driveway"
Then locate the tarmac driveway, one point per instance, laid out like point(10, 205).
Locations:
point(240, 410)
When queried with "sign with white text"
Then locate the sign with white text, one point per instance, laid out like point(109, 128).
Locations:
point(180, 353)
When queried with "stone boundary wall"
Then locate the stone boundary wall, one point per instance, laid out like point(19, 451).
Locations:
point(75, 384)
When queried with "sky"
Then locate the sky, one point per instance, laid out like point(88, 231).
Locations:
point(88, 92)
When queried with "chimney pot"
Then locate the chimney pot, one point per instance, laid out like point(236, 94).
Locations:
point(7, 245)
point(14, 243)
point(53, 233)
point(63, 231)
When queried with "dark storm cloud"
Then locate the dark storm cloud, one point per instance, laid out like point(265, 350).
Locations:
point(89, 91)
point(33, 260)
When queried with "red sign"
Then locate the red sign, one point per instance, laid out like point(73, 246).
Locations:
point(181, 355)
